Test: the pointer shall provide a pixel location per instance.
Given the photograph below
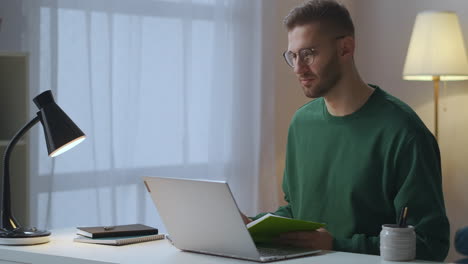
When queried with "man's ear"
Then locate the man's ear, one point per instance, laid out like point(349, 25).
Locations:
point(347, 45)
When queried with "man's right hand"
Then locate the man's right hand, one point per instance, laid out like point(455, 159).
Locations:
point(245, 218)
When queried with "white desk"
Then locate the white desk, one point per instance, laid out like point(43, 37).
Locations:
point(61, 249)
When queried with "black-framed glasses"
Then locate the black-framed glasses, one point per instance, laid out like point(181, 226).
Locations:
point(306, 55)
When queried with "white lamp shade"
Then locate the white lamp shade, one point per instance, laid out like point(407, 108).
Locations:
point(436, 48)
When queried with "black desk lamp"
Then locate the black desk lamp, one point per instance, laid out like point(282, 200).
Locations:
point(61, 134)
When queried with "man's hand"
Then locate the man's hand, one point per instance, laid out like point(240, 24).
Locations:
point(320, 239)
point(245, 218)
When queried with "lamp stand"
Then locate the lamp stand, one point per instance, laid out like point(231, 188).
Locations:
point(436, 80)
point(11, 232)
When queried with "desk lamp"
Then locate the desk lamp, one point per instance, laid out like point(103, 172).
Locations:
point(61, 134)
point(436, 52)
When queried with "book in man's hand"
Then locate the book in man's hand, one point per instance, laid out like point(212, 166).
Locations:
point(118, 241)
point(270, 226)
point(116, 231)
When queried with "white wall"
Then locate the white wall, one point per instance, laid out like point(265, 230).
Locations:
point(383, 30)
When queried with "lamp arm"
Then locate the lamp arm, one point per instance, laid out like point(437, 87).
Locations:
point(7, 221)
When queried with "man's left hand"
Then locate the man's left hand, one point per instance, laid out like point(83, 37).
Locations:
point(319, 239)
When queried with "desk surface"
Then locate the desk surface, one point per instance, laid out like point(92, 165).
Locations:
point(62, 249)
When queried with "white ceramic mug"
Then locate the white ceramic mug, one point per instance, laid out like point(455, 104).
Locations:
point(397, 243)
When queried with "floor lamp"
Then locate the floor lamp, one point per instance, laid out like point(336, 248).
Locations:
point(436, 52)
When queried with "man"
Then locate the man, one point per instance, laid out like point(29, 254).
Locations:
point(355, 155)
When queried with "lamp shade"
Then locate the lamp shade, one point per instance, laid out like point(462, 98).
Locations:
point(436, 48)
point(60, 131)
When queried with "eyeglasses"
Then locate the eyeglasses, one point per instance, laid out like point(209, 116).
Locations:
point(306, 55)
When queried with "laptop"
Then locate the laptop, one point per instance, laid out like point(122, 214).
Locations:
point(202, 216)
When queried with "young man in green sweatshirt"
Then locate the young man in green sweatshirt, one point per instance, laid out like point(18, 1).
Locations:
point(356, 155)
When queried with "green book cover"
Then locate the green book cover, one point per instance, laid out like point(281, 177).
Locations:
point(270, 226)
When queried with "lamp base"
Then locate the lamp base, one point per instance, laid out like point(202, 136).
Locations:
point(23, 236)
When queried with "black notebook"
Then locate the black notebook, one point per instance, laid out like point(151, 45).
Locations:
point(116, 231)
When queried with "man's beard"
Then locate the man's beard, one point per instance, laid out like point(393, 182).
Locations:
point(330, 75)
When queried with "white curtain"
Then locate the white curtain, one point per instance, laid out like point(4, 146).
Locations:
point(160, 88)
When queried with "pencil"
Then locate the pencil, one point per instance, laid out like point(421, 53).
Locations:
point(405, 214)
point(400, 219)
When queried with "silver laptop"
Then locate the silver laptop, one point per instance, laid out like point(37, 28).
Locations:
point(202, 216)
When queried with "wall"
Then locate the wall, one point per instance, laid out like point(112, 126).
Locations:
point(383, 30)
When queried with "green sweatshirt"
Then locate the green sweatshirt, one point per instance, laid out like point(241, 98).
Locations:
point(356, 172)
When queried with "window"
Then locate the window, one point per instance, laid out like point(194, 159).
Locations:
point(157, 87)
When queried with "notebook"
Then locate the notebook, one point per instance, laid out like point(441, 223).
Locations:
point(270, 226)
point(202, 217)
point(116, 231)
point(118, 241)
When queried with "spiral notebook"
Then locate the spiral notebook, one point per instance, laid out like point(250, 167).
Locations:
point(118, 241)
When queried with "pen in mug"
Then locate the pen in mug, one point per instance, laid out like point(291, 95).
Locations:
point(403, 214)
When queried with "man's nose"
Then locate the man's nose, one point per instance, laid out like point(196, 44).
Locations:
point(300, 66)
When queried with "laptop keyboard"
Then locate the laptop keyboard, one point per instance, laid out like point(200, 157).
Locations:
point(279, 251)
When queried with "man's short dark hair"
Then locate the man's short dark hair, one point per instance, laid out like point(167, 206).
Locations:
point(333, 16)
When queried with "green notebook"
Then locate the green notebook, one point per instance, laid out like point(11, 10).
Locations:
point(270, 226)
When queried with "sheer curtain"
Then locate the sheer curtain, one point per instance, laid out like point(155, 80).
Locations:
point(161, 88)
